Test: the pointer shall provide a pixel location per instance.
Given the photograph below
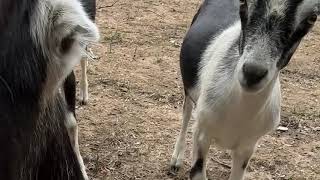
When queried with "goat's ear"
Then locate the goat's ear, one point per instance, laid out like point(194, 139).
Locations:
point(303, 28)
point(72, 26)
point(243, 12)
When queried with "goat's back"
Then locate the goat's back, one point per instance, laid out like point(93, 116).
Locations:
point(212, 17)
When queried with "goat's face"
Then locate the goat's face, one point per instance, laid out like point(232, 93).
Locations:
point(62, 29)
point(271, 33)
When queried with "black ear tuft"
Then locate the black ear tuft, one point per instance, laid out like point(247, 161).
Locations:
point(243, 12)
point(294, 41)
point(244, 20)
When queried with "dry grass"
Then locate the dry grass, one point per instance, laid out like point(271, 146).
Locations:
point(129, 128)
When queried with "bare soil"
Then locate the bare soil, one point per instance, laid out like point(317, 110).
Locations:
point(129, 127)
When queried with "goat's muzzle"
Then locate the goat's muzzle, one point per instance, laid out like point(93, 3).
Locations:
point(253, 75)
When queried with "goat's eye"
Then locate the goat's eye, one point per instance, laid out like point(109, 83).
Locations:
point(66, 44)
point(312, 19)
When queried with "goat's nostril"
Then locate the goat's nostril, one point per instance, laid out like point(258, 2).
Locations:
point(253, 73)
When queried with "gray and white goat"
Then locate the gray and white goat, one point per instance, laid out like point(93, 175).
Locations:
point(231, 59)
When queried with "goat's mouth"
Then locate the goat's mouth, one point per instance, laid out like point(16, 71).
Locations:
point(250, 88)
point(252, 85)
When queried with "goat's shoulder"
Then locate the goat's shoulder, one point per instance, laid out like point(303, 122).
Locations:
point(212, 18)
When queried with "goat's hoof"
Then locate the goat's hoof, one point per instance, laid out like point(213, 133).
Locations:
point(83, 102)
point(174, 169)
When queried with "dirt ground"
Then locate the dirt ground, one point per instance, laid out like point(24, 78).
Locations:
point(128, 129)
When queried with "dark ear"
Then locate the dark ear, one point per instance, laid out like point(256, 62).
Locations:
point(243, 12)
point(244, 20)
point(304, 27)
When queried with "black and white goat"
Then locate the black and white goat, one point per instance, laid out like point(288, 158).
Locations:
point(230, 65)
point(40, 43)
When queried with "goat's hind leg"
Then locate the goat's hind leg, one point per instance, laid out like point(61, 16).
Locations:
point(179, 149)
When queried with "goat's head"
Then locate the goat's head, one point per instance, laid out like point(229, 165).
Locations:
point(271, 32)
point(62, 29)
point(41, 41)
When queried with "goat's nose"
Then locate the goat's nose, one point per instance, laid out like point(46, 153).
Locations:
point(253, 73)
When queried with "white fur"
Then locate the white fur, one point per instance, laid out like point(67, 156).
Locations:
point(218, 48)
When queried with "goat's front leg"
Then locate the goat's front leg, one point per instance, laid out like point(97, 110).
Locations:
point(240, 160)
point(72, 128)
point(179, 148)
point(201, 145)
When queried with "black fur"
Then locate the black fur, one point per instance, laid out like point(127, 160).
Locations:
point(209, 21)
point(69, 88)
point(90, 8)
point(34, 141)
point(245, 164)
point(197, 168)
